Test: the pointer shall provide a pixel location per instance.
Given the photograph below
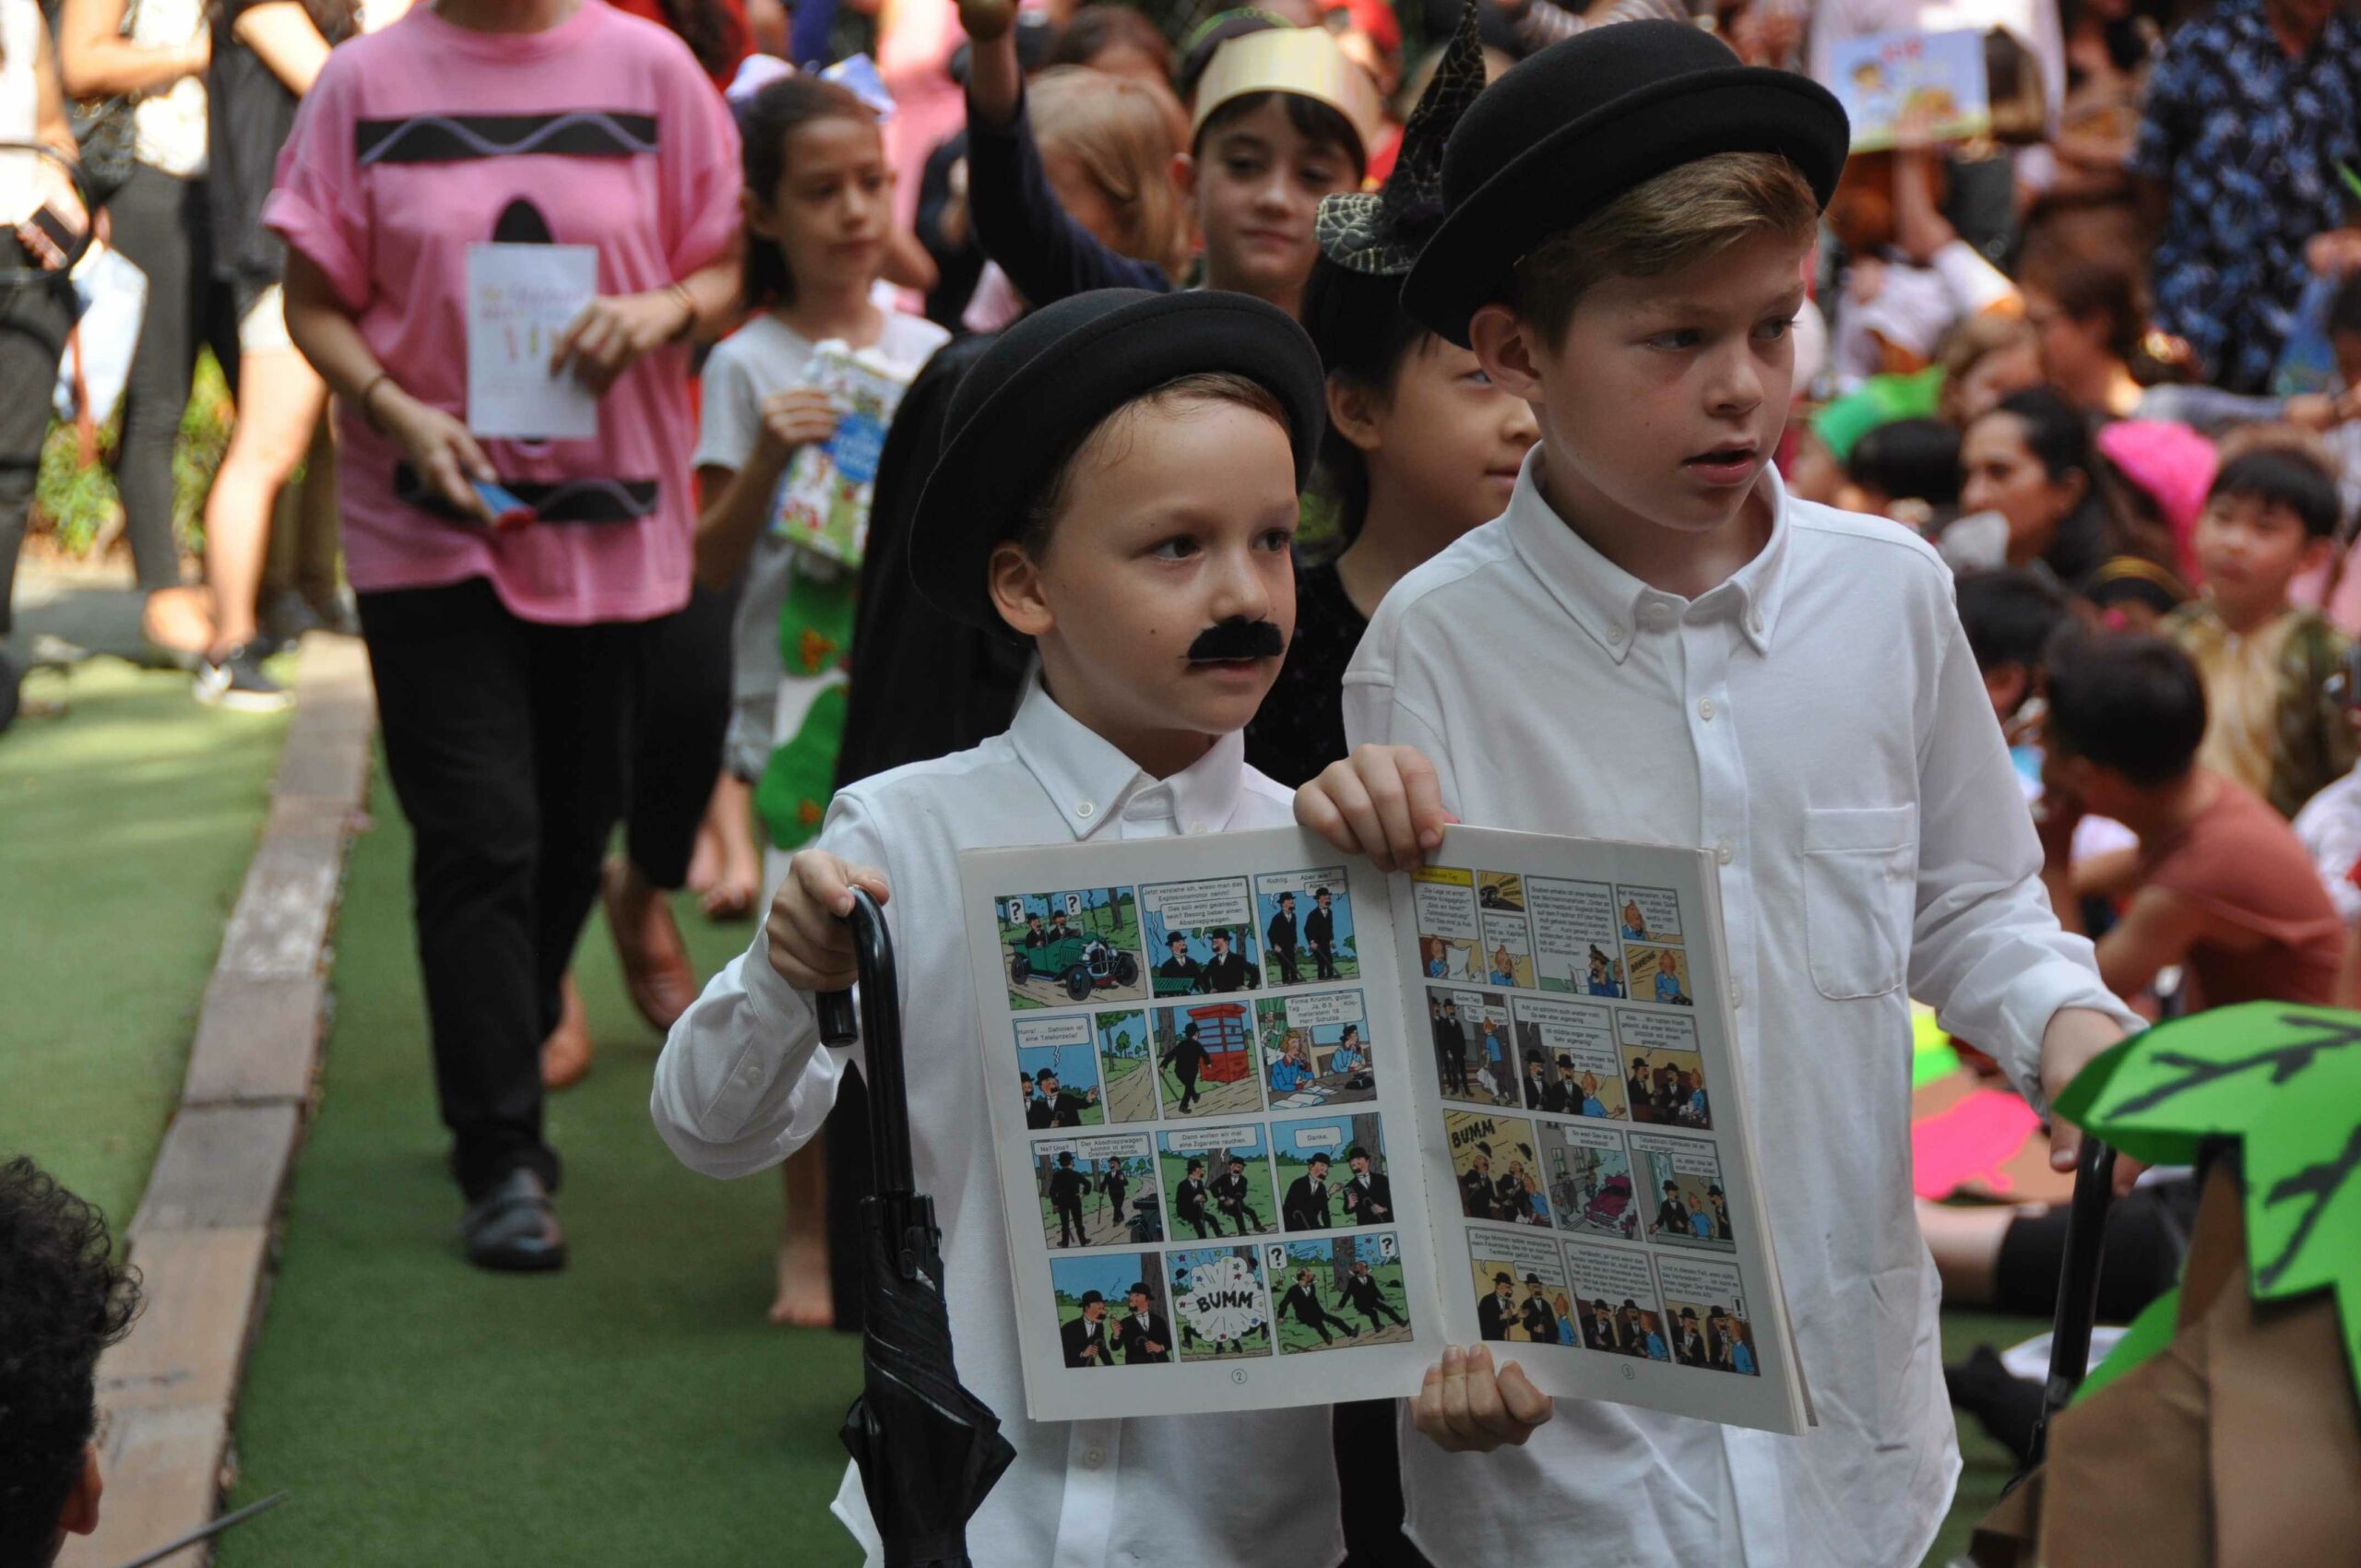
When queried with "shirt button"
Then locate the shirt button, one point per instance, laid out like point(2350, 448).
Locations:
point(1615, 633)
point(1738, 995)
point(1724, 853)
point(1093, 1457)
point(1706, 708)
point(1757, 622)
point(1659, 616)
point(1083, 808)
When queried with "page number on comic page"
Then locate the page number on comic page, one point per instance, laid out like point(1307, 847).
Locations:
point(1629, 1375)
point(1238, 1376)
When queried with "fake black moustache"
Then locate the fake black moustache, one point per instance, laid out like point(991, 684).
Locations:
point(1238, 638)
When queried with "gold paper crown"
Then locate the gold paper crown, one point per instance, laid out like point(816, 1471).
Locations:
point(1303, 61)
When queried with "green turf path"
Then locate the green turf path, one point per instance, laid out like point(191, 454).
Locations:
point(125, 826)
point(635, 1408)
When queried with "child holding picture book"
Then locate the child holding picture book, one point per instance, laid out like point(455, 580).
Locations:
point(818, 208)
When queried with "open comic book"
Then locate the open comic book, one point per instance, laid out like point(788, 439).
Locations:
point(1273, 1128)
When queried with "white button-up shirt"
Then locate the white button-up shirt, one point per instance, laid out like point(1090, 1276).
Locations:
point(744, 1082)
point(1816, 722)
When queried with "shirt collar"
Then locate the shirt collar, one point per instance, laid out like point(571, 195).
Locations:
point(1612, 605)
point(1092, 782)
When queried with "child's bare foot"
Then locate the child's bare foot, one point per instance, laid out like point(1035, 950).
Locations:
point(178, 620)
point(804, 1299)
point(706, 859)
point(739, 883)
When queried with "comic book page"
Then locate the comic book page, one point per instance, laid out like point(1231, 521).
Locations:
point(1207, 1151)
point(1581, 1107)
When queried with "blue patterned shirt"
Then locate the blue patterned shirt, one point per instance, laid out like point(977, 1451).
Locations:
point(2246, 142)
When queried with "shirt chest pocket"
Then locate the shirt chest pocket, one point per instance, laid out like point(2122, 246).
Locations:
point(1860, 870)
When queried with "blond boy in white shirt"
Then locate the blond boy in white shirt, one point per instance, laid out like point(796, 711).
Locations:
point(1120, 486)
point(1658, 643)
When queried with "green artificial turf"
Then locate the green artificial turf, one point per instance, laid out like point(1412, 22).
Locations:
point(126, 822)
point(1985, 1466)
point(635, 1408)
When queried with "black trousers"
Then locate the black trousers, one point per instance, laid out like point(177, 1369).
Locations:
point(34, 319)
point(505, 741)
point(682, 716)
point(165, 226)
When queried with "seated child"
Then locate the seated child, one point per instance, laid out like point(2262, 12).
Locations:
point(1628, 217)
point(1121, 484)
point(2221, 884)
point(2275, 727)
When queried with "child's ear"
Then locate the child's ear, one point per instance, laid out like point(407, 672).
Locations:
point(1016, 591)
point(757, 213)
point(2316, 550)
point(1352, 409)
point(1504, 347)
point(1184, 177)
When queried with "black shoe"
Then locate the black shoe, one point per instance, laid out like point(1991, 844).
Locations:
point(237, 683)
point(512, 1228)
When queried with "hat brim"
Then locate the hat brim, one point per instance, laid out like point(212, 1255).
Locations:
point(1576, 170)
point(998, 459)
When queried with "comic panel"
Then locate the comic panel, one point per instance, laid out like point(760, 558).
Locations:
point(1619, 1311)
point(1664, 1076)
point(1059, 1066)
point(1205, 1060)
point(1589, 1172)
point(1127, 1076)
point(1473, 1059)
point(1200, 937)
point(1315, 1049)
point(1444, 900)
point(1659, 975)
point(1112, 1309)
point(1648, 914)
point(1075, 946)
point(1522, 1295)
point(1499, 1168)
point(1567, 1049)
point(1224, 1312)
point(1097, 1192)
point(1339, 1291)
point(1575, 949)
point(1331, 1172)
point(1502, 890)
point(1217, 1182)
point(1704, 1304)
point(1507, 949)
point(1684, 1202)
point(1306, 918)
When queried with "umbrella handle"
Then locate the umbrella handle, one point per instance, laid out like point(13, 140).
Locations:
point(878, 997)
point(2078, 1286)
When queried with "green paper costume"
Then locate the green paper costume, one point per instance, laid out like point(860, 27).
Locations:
point(815, 639)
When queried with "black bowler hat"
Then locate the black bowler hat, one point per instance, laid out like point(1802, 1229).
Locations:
point(1583, 121)
point(1048, 382)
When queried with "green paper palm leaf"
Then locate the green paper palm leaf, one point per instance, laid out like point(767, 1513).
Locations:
point(2285, 1080)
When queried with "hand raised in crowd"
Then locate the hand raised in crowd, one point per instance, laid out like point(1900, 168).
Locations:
point(987, 20)
point(1465, 1407)
point(438, 446)
point(615, 330)
point(809, 944)
point(801, 416)
point(1383, 801)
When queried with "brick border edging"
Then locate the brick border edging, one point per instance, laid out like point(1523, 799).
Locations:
point(203, 1236)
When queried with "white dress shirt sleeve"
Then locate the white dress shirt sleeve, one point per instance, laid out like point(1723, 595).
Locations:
point(1379, 713)
point(1986, 950)
point(743, 1080)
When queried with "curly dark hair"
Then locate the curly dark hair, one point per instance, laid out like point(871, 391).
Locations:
point(62, 1299)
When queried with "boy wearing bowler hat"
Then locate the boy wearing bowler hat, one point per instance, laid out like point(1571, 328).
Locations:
point(1628, 215)
point(1119, 485)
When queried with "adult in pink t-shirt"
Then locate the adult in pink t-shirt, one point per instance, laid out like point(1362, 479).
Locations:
point(505, 660)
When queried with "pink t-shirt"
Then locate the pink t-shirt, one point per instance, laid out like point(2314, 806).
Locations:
point(416, 141)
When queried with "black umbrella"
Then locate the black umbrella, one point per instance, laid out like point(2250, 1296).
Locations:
point(929, 1451)
point(2078, 1291)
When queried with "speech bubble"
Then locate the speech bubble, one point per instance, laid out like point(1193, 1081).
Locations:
point(1523, 1250)
point(1604, 1271)
point(1654, 1032)
point(1659, 911)
point(1325, 1007)
point(1318, 1137)
point(1049, 1149)
point(1702, 1284)
point(1586, 1136)
point(1302, 883)
point(1034, 1034)
point(1206, 1140)
point(1570, 917)
point(1686, 1157)
point(1184, 906)
point(1134, 1147)
point(1445, 902)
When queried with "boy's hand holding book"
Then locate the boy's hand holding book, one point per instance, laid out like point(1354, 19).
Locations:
point(1383, 801)
point(1468, 1407)
point(809, 944)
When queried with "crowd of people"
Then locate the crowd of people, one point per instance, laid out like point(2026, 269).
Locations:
point(2103, 362)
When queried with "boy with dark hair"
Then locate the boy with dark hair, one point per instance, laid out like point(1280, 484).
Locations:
point(1629, 216)
point(2275, 726)
point(1119, 487)
point(63, 1301)
point(2009, 614)
point(2221, 884)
